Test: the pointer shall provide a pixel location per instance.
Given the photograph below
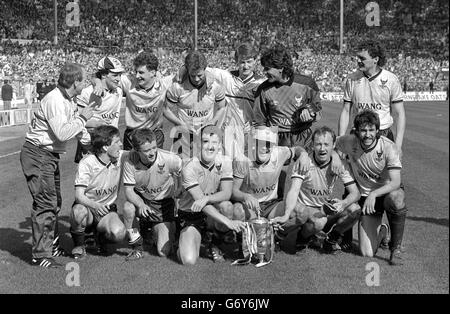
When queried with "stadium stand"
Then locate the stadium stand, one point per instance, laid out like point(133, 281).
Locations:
point(418, 48)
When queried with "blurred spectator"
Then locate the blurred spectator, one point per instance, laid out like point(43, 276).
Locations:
point(415, 34)
point(7, 95)
point(28, 91)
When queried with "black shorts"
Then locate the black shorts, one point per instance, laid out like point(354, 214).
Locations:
point(289, 139)
point(97, 217)
point(164, 210)
point(267, 207)
point(190, 219)
point(379, 204)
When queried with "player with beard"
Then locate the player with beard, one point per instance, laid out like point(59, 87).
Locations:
point(376, 166)
point(96, 188)
point(207, 182)
point(375, 88)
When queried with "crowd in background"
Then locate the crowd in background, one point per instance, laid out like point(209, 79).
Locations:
point(415, 35)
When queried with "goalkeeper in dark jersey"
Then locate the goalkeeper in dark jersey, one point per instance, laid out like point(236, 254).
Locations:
point(287, 100)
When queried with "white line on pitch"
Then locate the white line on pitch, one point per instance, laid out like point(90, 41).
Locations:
point(10, 154)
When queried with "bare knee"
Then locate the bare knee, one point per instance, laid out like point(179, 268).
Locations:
point(395, 201)
point(117, 233)
point(79, 214)
point(319, 223)
point(238, 212)
point(226, 209)
point(128, 209)
point(187, 258)
point(353, 210)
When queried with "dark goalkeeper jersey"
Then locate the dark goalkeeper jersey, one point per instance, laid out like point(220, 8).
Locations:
point(280, 105)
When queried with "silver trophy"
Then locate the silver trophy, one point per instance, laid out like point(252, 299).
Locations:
point(257, 242)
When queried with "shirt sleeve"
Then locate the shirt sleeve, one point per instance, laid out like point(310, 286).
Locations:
point(392, 157)
point(348, 90)
point(58, 120)
point(240, 168)
point(285, 155)
point(259, 109)
point(167, 81)
point(172, 95)
point(346, 176)
point(314, 97)
point(219, 93)
point(129, 172)
point(83, 175)
point(227, 169)
point(82, 100)
point(220, 75)
point(189, 177)
point(396, 91)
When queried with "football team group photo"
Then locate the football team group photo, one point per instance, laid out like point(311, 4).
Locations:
point(224, 147)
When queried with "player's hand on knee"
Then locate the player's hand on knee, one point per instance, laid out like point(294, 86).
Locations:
point(278, 222)
point(199, 204)
point(145, 211)
point(101, 210)
point(369, 205)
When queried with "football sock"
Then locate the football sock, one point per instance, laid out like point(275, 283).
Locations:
point(348, 236)
point(134, 238)
point(77, 237)
point(397, 224)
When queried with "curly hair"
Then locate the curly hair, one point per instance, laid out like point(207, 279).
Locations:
point(278, 57)
point(148, 59)
point(374, 49)
point(366, 117)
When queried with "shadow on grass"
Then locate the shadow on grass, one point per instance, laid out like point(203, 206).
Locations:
point(18, 242)
point(431, 220)
point(15, 242)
